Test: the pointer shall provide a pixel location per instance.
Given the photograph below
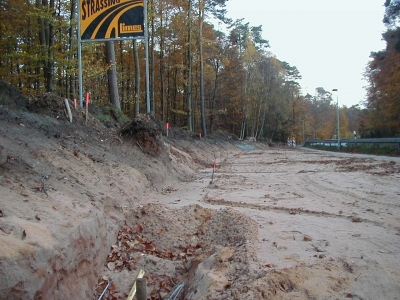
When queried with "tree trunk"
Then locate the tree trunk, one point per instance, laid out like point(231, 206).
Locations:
point(243, 129)
point(189, 72)
point(70, 86)
point(152, 84)
point(46, 39)
point(213, 97)
point(137, 77)
point(202, 105)
point(122, 79)
point(162, 89)
point(263, 117)
point(50, 51)
point(112, 75)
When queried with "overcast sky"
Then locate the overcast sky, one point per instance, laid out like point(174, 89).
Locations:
point(329, 41)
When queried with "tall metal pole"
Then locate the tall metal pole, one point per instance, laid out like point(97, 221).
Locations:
point(146, 43)
point(80, 75)
point(338, 117)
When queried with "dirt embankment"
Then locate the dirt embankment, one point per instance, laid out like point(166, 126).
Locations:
point(66, 188)
point(84, 207)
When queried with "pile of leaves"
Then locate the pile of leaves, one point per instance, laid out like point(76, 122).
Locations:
point(126, 254)
point(131, 242)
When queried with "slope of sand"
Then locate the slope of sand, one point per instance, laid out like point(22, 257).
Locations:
point(328, 225)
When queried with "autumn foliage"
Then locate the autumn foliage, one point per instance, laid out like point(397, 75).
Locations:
point(248, 91)
point(383, 73)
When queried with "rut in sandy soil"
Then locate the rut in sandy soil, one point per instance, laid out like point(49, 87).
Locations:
point(292, 211)
point(210, 251)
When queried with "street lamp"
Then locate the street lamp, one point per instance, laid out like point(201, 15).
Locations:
point(338, 118)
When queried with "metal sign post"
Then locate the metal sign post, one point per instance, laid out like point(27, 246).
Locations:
point(146, 46)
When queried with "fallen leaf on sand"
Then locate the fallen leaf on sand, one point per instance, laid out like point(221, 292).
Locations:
point(307, 238)
point(149, 246)
point(139, 228)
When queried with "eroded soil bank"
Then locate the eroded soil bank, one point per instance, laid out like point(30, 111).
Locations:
point(82, 204)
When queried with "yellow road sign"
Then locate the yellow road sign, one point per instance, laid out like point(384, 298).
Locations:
point(111, 19)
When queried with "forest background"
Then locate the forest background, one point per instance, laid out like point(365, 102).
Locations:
point(201, 79)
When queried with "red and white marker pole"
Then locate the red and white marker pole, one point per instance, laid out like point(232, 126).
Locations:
point(87, 105)
point(87, 98)
point(167, 127)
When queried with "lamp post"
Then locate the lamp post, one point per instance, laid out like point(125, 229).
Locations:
point(338, 118)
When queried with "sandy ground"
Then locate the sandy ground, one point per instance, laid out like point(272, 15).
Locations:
point(82, 205)
point(316, 225)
